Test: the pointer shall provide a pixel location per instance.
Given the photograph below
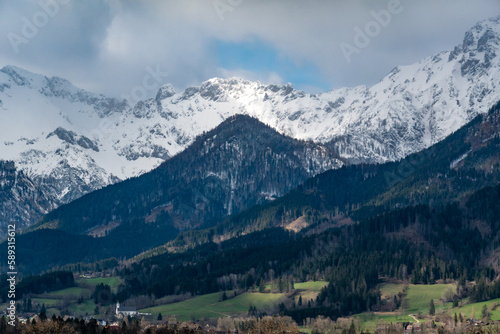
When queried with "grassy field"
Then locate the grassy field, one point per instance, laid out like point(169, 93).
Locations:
point(371, 320)
point(195, 307)
point(474, 310)
point(390, 289)
point(311, 286)
point(85, 308)
point(74, 293)
point(201, 307)
point(308, 290)
point(113, 282)
point(49, 302)
point(305, 330)
point(68, 298)
point(208, 306)
point(419, 296)
point(54, 300)
point(243, 302)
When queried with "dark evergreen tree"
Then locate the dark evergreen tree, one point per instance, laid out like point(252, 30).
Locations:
point(352, 328)
point(43, 313)
point(3, 325)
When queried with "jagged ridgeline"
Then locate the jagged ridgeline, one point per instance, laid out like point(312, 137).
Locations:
point(450, 170)
point(239, 164)
point(464, 162)
point(233, 167)
point(97, 140)
point(448, 229)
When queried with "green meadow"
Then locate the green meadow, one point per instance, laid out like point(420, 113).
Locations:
point(211, 305)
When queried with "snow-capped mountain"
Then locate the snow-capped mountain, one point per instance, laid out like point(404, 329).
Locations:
point(20, 197)
point(411, 108)
point(70, 142)
point(239, 164)
point(39, 116)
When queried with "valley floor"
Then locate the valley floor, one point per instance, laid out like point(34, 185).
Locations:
point(405, 303)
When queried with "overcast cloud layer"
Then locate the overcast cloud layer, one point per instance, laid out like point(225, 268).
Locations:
point(110, 46)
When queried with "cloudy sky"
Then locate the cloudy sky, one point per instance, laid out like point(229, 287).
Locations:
point(124, 47)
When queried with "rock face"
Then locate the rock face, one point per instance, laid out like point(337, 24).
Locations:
point(72, 138)
point(70, 142)
point(20, 197)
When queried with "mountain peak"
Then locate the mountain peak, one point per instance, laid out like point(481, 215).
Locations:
point(412, 108)
point(484, 36)
point(19, 76)
point(285, 89)
point(22, 77)
point(12, 69)
point(165, 92)
point(491, 23)
point(237, 125)
point(243, 120)
point(479, 48)
point(233, 81)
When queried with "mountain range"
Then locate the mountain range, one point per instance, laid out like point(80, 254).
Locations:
point(238, 186)
point(66, 142)
point(237, 165)
point(169, 210)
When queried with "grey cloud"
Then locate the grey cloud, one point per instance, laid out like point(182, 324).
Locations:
point(106, 46)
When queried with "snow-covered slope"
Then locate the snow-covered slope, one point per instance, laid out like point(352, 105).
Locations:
point(20, 197)
point(71, 142)
point(411, 108)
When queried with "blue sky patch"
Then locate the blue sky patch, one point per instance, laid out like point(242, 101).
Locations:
point(259, 58)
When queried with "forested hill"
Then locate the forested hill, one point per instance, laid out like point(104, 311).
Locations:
point(433, 216)
point(419, 244)
point(463, 163)
point(233, 167)
point(451, 170)
point(240, 163)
